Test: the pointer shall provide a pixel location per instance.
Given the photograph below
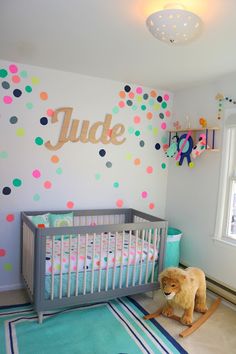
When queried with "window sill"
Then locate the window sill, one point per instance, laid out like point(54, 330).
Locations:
point(225, 240)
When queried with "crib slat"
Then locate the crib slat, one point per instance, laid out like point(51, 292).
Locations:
point(93, 257)
point(115, 257)
point(122, 260)
point(128, 265)
point(148, 251)
point(61, 263)
point(135, 256)
point(141, 259)
point(85, 264)
point(100, 263)
point(155, 252)
point(69, 270)
point(77, 266)
point(107, 267)
point(52, 264)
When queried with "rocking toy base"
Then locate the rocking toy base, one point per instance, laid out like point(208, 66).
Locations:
point(195, 325)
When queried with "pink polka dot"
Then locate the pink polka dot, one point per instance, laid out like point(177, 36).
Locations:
point(149, 169)
point(151, 206)
point(36, 174)
point(7, 99)
point(10, 217)
point(137, 119)
point(50, 112)
point(163, 126)
point(144, 194)
point(119, 203)
point(47, 184)
point(70, 205)
point(15, 79)
point(131, 95)
point(167, 113)
point(50, 269)
point(13, 68)
point(166, 97)
point(2, 252)
point(139, 90)
point(121, 104)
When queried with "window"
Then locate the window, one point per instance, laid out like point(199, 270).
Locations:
point(226, 209)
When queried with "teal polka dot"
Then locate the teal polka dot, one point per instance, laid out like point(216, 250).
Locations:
point(149, 127)
point(97, 176)
point(23, 74)
point(130, 130)
point(137, 133)
point(3, 154)
point(17, 182)
point(28, 88)
point(151, 102)
point(143, 107)
point(115, 110)
point(163, 165)
point(164, 139)
point(3, 73)
point(134, 107)
point(59, 171)
point(29, 105)
point(116, 184)
point(38, 141)
point(164, 104)
point(36, 197)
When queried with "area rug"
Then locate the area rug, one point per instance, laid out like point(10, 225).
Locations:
point(114, 327)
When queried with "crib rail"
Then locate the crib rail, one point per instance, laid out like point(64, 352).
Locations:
point(132, 242)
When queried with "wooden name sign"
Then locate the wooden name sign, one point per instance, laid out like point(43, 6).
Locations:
point(96, 133)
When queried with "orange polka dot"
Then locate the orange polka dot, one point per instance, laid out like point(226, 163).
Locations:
point(153, 93)
point(122, 94)
point(131, 95)
point(149, 115)
point(137, 162)
point(43, 96)
point(55, 159)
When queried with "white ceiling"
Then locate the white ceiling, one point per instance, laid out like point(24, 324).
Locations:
point(109, 39)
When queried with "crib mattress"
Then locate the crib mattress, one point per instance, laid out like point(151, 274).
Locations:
point(96, 255)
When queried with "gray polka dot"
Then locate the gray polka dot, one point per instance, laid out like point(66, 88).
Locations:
point(13, 120)
point(5, 85)
point(109, 164)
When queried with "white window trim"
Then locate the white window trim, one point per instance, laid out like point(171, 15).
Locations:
point(223, 194)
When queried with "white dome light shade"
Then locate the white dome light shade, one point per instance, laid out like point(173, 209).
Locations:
point(176, 26)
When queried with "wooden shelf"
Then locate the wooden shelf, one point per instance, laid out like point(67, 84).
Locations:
point(193, 129)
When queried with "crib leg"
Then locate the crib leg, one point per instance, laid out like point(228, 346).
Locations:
point(40, 317)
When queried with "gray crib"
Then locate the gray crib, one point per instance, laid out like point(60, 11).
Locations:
point(107, 253)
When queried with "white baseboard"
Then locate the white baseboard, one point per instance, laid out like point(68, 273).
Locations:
point(11, 287)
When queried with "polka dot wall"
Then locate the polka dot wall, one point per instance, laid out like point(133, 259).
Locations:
point(78, 175)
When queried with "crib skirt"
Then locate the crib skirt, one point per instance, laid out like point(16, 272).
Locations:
point(106, 280)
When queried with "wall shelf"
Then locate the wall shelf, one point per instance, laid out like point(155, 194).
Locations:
point(195, 133)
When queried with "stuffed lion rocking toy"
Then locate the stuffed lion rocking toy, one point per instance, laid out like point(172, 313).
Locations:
point(187, 289)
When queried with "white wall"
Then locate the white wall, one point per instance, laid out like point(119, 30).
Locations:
point(192, 192)
point(81, 176)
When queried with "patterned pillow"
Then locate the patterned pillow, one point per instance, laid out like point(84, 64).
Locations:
point(59, 220)
point(41, 219)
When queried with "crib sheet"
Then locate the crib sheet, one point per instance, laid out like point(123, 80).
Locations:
point(96, 253)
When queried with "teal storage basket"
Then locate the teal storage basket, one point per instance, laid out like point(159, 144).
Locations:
point(172, 254)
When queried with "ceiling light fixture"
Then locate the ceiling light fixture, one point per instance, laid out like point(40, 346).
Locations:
point(174, 24)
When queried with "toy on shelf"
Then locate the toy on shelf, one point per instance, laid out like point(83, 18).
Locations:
point(200, 147)
point(185, 147)
point(203, 122)
point(177, 125)
point(173, 148)
point(186, 289)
